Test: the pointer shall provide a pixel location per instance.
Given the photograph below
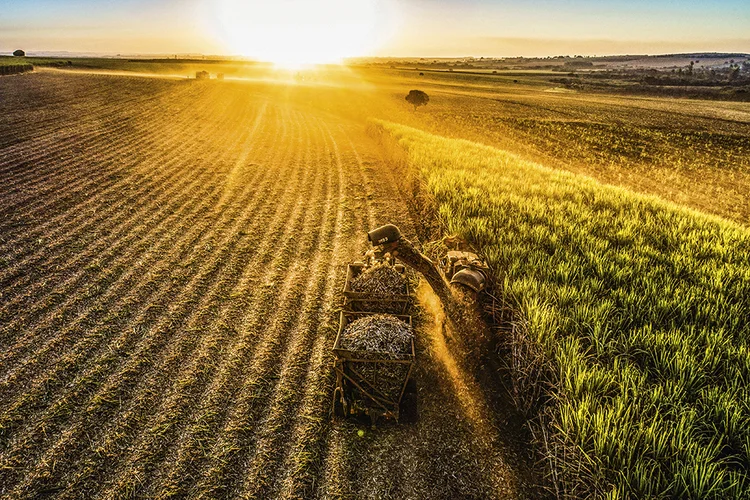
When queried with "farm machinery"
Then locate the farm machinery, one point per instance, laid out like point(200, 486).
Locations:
point(374, 384)
point(374, 370)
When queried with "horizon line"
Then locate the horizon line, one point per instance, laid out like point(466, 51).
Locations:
point(171, 55)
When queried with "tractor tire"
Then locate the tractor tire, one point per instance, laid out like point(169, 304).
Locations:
point(408, 409)
point(411, 386)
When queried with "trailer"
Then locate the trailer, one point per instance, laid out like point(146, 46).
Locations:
point(362, 389)
point(373, 385)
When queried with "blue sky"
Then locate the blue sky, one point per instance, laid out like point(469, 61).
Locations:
point(420, 27)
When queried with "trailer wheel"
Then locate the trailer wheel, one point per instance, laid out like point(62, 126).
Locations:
point(411, 386)
point(408, 410)
point(338, 405)
point(408, 413)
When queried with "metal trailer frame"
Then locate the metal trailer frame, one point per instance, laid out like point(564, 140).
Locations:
point(372, 401)
point(357, 301)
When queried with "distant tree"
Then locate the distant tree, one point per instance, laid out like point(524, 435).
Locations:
point(417, 98)
point(19, 53)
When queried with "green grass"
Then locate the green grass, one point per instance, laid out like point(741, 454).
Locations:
point(699, 157)
point(635, 308)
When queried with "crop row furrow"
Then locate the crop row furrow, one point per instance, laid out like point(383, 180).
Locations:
point(262, 469)
point(69, 131)
point(47, 111)
point(304, 455)
point(258, 372)
point(82, 347)
point(89, 321)
point(148, 351)
point(91, 220)
point(150, 449)
point(136, 120)
point(263, 302)
point(71, 170)
point(120, 250)
point(82, 126)
point(151, 198)
point(88, 212)
point(113, 436)
point(140, 169)
point(274, 300)
point(98, 121)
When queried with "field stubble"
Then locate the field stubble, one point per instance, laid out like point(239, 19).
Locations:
point(173, 253)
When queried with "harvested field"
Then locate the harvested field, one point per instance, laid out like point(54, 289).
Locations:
point(170, 259)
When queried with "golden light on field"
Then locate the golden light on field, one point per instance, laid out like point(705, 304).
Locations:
point(293, 33)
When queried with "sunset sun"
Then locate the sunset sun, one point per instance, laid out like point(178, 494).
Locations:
point(293, 33)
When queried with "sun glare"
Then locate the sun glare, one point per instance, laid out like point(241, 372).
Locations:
point(294, 33)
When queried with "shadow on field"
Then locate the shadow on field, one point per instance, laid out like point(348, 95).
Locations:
point(469, 442)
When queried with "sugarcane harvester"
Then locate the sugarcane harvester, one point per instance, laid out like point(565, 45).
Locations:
point(376, 382)
point(463, 268)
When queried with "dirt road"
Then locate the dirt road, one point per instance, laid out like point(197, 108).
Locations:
point(171, 255)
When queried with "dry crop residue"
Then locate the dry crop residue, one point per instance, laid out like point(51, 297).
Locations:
point(381, 333)
point(170, 258)
point(380, 281)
